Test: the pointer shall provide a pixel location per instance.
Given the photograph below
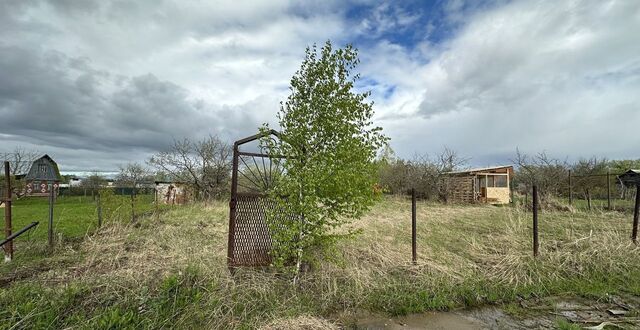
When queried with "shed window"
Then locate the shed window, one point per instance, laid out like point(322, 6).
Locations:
point(42, 168)
point(501, 181)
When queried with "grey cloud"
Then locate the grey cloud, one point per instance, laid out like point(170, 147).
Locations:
point(45, 100)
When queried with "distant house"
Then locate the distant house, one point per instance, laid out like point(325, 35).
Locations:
point(483, 185)
point(75, 182)
point(43, 172)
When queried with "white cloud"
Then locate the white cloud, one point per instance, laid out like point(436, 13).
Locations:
point(556, 76)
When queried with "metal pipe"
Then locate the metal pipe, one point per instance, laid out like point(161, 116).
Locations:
point(535, 221)
point(99, 210)
point(50, 231)
point(570, 190)
point(608, 191)
point(413, 226)
point(636, 215)
point(232, 207)
point(18, 233)
point(8, 251)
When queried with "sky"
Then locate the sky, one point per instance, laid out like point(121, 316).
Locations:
point(98, 84)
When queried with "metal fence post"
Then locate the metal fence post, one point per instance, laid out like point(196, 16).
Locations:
point(570, 190)
point(608, 190)
point(232, 207)
point(99, 210)
point(413, 227)
point(535, 221)
point(133, 212)
point(8, 249)
point(50, 231)
point(636, 214)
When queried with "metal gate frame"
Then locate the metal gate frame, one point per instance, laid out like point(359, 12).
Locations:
point(241, 245)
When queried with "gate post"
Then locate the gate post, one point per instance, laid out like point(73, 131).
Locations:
point(232, 206)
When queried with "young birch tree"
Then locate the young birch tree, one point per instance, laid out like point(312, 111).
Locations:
point(330, 145)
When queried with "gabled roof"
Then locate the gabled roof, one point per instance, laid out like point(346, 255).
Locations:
point(52, 173)
point(480, 169)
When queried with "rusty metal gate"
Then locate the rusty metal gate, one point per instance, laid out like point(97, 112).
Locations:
point(250, 237)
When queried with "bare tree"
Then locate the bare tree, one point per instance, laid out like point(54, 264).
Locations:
point(449, 160)
point(590, 176)
point(548, 173)
point(93, 182)
point(205, 164)
point(422, 173)
point(132, 175)
point(20, 160)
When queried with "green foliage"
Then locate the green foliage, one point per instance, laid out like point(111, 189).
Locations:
point(330, 144)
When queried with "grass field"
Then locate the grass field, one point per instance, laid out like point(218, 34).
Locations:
point(74, 218)
point(170, 271)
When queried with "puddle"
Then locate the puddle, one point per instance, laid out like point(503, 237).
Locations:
point(478, 318)
point(534, 314)
point(430, 320)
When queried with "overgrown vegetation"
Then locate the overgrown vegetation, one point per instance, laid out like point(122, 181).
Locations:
point(204, 164)
point(171, 271)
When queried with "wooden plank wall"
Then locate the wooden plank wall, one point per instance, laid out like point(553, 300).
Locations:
point(460, 189)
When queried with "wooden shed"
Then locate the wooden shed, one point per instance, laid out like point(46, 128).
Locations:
point(630, 178)
point(480, 185)
point(43, 172)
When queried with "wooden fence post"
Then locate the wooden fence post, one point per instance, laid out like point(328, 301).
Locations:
point(536, 244)
point(8, 248)
point(414, 252)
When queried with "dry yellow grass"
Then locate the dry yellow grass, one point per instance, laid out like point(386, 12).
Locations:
point(467, 254)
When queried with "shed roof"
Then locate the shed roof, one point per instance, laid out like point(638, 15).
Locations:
point(480, 169)
point(630, 178)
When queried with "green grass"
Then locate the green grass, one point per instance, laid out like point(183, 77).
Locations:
point(170, 272)
point(74, 218)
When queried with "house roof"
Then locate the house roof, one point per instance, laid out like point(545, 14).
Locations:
point(480, 169)
point(51, 174)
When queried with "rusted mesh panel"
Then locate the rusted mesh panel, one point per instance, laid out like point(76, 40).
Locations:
point(252, 241)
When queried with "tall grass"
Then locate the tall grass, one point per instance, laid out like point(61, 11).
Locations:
point(171, 271)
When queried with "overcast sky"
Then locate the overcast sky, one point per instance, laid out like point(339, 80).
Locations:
point(96, 84)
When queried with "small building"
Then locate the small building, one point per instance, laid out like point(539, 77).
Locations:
point(43, 172)
point(630, 178)
point(480, 185)
point(172, 192)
